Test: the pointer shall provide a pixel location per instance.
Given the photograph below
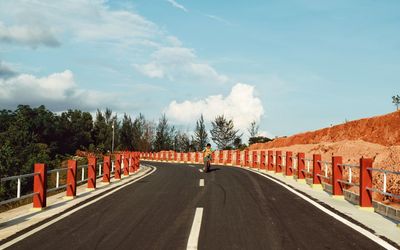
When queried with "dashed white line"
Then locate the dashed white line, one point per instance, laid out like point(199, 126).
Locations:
point(201, 170)
point(195, 231)
point(201, 183)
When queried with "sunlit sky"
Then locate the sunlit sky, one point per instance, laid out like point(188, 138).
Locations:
point(292, 66)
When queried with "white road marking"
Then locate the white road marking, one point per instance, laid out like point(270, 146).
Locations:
point(37, 229)
point(359, 229)
point(201, 183)
point(195, 231)
point(201, 170)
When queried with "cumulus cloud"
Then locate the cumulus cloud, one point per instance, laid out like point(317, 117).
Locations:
point(178, 63)
point(6, 71)
point(177, 5)
point(241, 104)
point(31, 35)
point(56, 91)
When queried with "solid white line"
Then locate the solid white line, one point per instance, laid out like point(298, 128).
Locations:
point(195, 231)
point(359, 229)
point(201, 183)
point(35, 230)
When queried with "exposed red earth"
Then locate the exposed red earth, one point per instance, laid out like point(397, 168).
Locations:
point(376, 137)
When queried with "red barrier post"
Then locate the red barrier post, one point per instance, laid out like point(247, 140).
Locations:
point(270, 160)
point(131, 163)
point(254, 163)
point(221, 157)
point(229, 161)
point(106, 170)
point(262, 159)
point(337, 175)
point(126, 163)
point(300, 166)
point(71, 178)
point(289, 164)
point(237, 160)
point(316, 169)
point(40, 186)
point(365, 182)
point(117, 170)
point(278, 161)
point(246, 158)
point(92, 163)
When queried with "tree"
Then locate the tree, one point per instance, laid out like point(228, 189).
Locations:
point(259, 139)
point(164, 135)
point(223, 132)
point(200, 134)
point(102, 130)
point(253, 129)
point(396, 101)
point(182, 142)
point(126, 133)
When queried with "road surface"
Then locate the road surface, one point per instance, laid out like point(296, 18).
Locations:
point(240, 210)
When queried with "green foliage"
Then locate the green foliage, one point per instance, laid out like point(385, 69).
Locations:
point(164, 135)
point(259, 139)
point(223, 132)
point(200, 134)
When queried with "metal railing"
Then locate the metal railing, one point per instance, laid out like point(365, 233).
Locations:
point(18, 178)
point(325, 171)
point(57, 171)
point(384, 184)
point(349, 168)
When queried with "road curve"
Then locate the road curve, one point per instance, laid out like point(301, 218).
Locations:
point(241, 210)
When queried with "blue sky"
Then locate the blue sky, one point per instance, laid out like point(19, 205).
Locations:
point(292, 65)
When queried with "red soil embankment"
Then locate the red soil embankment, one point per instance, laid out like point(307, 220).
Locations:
point(376, 137)
point(383, 130)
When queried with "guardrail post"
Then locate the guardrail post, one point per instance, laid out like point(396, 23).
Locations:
point(365, 182)
point(221, 157)
point(132, 163)
point(337, 175)
point(300, 166)
point(278, 161)
point(246, 158)
point(237, 163)
point(270, 160)
point(262, 159)
point(92, 163)
point(71, 178)
point(289, 164)
point(117, 171)
point(316, 169)
point(126, 163)
point(40, 186)
point(106, 169)
point(254, 159)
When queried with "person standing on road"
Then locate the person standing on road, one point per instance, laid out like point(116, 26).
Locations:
point(207, 154)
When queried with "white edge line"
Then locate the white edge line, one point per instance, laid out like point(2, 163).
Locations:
point(37, 229)
point(359, 229)
point(195, 231)
point(201, 183)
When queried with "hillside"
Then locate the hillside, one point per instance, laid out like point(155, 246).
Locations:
point(383, 130)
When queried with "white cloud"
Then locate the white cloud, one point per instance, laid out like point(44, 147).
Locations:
point(218, 19)
point(56, 91)
point(47, 22)
point(179, 63)
point(242, 105)
point(31, 35)
point(177, 5)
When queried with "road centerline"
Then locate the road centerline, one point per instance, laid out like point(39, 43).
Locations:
point(195, 230)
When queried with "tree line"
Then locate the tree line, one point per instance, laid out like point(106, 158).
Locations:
point(29, 135)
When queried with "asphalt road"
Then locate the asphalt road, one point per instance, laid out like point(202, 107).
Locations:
point(242, 210)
